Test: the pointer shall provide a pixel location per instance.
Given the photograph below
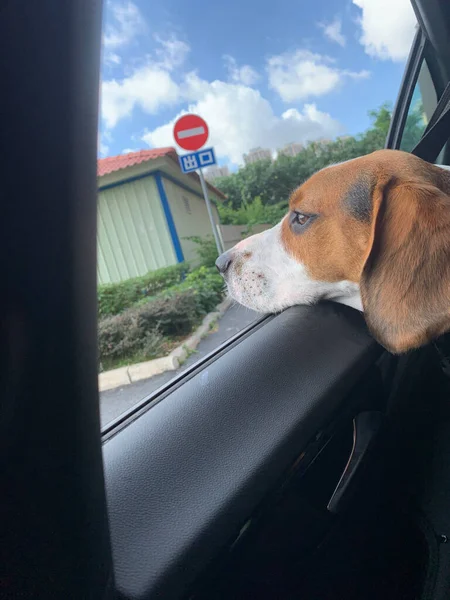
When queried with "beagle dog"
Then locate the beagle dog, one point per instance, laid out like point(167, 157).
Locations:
point(372, 233)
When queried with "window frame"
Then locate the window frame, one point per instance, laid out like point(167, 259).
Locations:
point(425, 47)
point(406, 91)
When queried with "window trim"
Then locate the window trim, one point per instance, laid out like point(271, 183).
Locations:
point(124, 419)
point(407, 86)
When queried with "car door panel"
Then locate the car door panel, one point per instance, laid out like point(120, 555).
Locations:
point(200, 459)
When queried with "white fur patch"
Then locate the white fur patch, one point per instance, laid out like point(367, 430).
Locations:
point(264, 277)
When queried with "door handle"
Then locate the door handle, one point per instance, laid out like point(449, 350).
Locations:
point(366, 426)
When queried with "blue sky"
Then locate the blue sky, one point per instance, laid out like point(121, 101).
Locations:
point(261, 73)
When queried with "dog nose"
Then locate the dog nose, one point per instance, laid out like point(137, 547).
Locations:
point(223, 262)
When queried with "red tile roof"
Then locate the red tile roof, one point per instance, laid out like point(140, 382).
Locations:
point(115, 163)
point(122, 161)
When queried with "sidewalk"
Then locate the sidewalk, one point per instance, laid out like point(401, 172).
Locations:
point(116, 401)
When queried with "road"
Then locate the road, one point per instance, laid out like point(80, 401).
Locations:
point(114, 402)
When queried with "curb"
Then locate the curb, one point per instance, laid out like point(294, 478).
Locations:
point(132, 373)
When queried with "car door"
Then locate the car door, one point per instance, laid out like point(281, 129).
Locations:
point(278, 466)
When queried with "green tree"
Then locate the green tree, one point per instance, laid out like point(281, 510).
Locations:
point(414, 127)
point(252, 213)
point(375, 137)
point(381, 118)
point(273, 182)
point(247, 183)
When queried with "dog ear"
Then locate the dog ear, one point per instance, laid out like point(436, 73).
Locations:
point(405, 282)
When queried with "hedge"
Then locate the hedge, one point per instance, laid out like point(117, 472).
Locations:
point(120, 337)
point(206, 284)
point(116, 297)
point(144, 331)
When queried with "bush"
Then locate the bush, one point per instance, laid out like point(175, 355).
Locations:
point(207, 286)
point(116, 297)
point(275, 212)
point(171, 313)
point(112, 341)
point(206, 250)
point(142, 332)
point(120, 337)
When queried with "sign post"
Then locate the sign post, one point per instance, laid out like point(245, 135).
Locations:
point(191, 133)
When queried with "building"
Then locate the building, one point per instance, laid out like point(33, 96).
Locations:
point(146, 209)
point(319, 146)
point(214, 172)
point(257, 154)
point(291, 149)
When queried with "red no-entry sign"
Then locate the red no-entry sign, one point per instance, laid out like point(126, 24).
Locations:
point(190, 132)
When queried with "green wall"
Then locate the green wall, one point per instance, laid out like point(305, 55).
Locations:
point(190, 216)
point(133, 237)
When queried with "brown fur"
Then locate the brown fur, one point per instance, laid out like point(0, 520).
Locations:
point(397, 247)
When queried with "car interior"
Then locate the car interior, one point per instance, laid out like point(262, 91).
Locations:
point(298, 460)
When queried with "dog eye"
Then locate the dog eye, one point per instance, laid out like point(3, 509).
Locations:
point(299, 221)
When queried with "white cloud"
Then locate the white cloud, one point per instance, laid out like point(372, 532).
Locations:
point(333, 31)
point(240, 118)
point(303, 74)
point(355, 75)
point(172, 52)
point(126, 23)
point(387, 28)
point(238, 115)
point(150, 86)
point(112, 58)
point(123, 23)
point(245, 74)
point(128, 150)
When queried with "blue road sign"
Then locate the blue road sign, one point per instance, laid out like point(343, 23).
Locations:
point(197, 160)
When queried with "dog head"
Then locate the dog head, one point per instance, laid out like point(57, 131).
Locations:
point(373, 233)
